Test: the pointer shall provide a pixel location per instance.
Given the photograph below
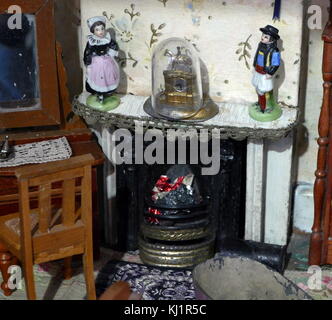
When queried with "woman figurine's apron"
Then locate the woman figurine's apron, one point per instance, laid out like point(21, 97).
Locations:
point(103, 74)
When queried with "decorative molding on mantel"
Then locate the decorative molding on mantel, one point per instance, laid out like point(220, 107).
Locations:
point(233, 120)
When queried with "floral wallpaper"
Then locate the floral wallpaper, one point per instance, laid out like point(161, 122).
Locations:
point(224, 33)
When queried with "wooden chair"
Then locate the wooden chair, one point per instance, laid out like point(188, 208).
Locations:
point(40, 235)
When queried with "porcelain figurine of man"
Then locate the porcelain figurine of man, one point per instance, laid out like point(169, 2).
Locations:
point(266, 63)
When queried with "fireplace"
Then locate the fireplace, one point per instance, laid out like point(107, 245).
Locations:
point(186, 233)
point(268, 201)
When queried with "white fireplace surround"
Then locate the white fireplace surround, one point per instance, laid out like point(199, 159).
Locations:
point(269, 171)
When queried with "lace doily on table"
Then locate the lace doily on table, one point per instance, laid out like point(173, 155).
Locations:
point(39, 152)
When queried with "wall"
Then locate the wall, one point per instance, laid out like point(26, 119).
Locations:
point(306, 146)
point(221, 31)
point(308, 134)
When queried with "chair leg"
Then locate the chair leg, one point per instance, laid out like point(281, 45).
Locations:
point(29, 281)
point(5, 262)
point(67, 269)
point(88, 273)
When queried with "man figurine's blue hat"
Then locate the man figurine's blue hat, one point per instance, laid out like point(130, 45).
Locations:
point(271, 31)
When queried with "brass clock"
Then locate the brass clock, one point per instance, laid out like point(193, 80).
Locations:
point(177, 87)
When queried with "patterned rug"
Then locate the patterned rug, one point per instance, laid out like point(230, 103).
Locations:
point(151, 282)
point(155, 283)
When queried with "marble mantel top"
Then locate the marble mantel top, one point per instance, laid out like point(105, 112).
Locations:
point(233, 119)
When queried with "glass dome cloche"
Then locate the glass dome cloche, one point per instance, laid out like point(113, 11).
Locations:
point(176, 80)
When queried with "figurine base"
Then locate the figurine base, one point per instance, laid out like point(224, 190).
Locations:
point(271, 113)
point(108, 104)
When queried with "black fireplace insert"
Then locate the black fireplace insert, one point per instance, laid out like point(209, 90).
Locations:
point(223, 194)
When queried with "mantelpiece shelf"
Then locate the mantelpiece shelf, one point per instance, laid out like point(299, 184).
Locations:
point(233, 119)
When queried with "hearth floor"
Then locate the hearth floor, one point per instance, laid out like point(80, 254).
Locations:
point(51, 286)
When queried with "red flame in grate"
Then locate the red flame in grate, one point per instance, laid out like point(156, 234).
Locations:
point(163, 185)
point(153, 220)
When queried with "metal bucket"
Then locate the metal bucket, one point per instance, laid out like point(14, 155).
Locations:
point(239, 278)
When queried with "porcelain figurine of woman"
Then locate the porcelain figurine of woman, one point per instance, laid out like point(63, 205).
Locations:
point(102, 70)
point(266, 63)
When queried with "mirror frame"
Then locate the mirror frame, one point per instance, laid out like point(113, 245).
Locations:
point(49, 112)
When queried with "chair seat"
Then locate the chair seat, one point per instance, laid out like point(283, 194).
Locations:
point(8, 236)
point(15, 223)
point(10, 233)
point(10, 230)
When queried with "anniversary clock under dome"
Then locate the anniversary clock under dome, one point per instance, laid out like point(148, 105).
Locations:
point(176, 80)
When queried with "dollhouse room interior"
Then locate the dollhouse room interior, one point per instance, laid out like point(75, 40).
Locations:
point(165, 150)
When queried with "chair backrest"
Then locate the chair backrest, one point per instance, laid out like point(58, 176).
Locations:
point(59, 232)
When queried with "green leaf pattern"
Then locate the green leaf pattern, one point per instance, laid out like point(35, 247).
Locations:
point(244, 51)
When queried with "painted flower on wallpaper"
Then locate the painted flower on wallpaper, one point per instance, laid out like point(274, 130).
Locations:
point(155, 33)
point(195, 9)
point(244, 51)
point(298, 58)
point(150, 44)
point(124, 28)
point(132, 13)
point(163, 2)
point(131, 32)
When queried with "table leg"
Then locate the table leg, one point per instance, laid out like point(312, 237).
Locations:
point(6, 260)
point(67, 269)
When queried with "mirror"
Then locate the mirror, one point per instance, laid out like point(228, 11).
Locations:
point(29, 91)
point(19, 83)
